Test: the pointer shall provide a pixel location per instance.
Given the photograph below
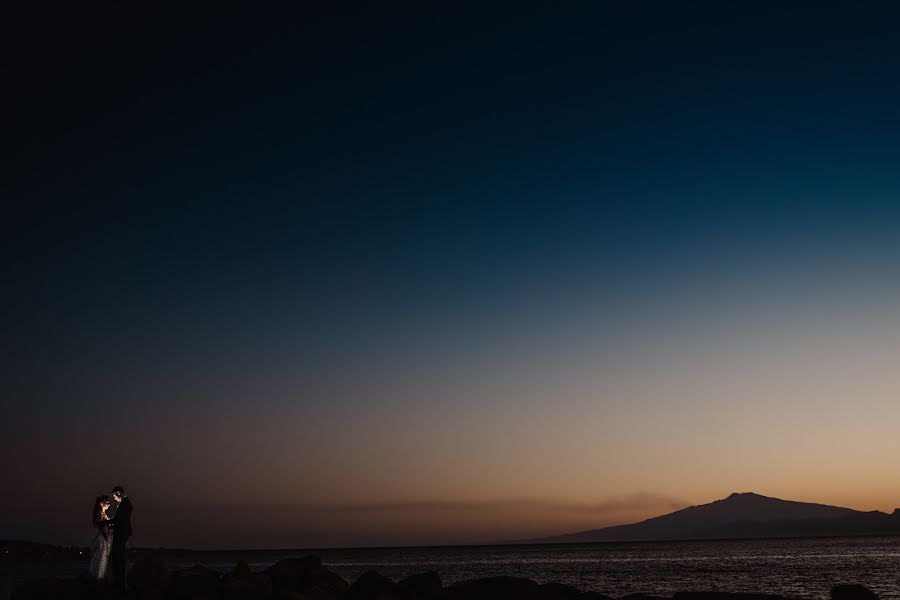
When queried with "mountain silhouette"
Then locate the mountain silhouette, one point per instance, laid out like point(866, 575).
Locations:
point(744, 515)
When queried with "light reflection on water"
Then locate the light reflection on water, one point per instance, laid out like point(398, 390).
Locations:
point(806, 568)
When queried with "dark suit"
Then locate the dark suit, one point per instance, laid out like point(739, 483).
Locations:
point(121, 530)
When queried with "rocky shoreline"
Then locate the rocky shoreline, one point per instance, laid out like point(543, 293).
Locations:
point(308, 579)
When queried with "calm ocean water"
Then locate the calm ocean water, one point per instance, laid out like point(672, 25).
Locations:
point(804, 568)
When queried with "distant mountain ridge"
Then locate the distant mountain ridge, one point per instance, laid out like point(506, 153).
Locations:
point(743, 515)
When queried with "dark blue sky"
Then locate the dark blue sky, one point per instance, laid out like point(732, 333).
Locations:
point(199, 204)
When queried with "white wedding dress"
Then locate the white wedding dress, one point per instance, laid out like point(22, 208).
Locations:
point(100, 552)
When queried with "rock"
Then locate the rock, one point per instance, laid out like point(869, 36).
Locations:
point(39, 589)
point(592, 596)
point(295, 567)
point(242, 569)
point(82, 588)
point(307, 576)
point(497, 588)
point(322, 592)
point(374, 586)
point(196, 583)
point(424, 586)
point(289, 596)
point(327, 582)
point(43, 589)
point(852, 591)
point(517, 588)
point(149, 577)
point(246, 587)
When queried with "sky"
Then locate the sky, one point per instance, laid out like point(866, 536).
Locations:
point(366, 276)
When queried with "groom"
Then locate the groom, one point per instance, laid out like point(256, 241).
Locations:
point(121, 530)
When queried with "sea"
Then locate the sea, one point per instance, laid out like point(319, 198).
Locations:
point(798, 568)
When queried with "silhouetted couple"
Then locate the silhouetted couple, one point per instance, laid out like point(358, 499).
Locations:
point(108, 549)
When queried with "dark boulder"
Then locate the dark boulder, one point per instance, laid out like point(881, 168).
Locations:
point(374, 586)
point(424, 586)
point(40, 589)
point(852, 591)
point(326, 584)
point(593, 596)
point(196, 583)
point(294, 567)
point(561, 591)
point(322, 591)
point(292, 574)
point(81, 588)
point(149, 577)
point(308, 576)
point(250, 586)
point(517, 588)
point(242, 569)
point(497, 588)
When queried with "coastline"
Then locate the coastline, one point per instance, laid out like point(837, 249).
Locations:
point(791, 568)
point(306, 578)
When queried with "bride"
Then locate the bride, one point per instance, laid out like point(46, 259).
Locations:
point(102, 541)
